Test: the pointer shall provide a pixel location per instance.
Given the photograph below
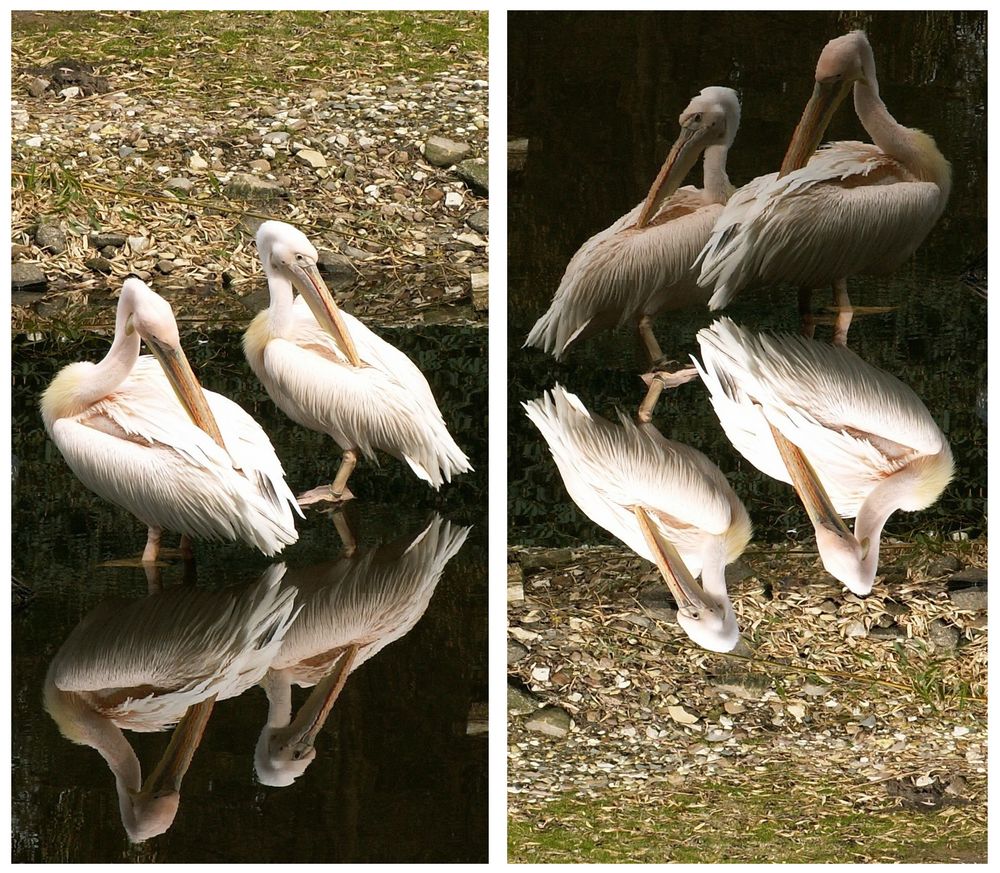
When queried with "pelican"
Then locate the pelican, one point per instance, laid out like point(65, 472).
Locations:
point(666, 501)
point(352, 608)
point(642, 264)
point(849, 208)
point(141, 432)
point(328, 372)
point(853, 440)
point(163, 660)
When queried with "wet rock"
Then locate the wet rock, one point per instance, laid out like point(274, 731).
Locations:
point(50, 237)
point(443, 152)
point(943, 635)
point(476, 174)
point(515, 652)
point(479, 221)
point(520, 701)
point(552, 721)
point(27, 277)
point(179, 183)
point(968, 590)
point(480, 291)
point(545, 558)
point(517, 155)
point(244, 186)
point(98, 265)
point(103, 239)
point(658, 602)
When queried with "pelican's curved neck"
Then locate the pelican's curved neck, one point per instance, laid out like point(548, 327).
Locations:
point(716, 184)
point(279, 699)
point(114, 368)
point(282, 297)
point(883, 500)
point(713, 572)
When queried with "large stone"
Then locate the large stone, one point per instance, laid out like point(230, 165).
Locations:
point(968, 590)
point(443, 152)
point(50, 237)
point(244, 186)
point(311, 158)
point(476, 174)
point(943, 635)
point(27, 277)
point(520, 701)
point(37, 87)
point(515, 651)
point(102, 239)
point(550, 720)
point(479, 221)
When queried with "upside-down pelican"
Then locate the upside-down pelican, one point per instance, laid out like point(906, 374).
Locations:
point(141, 432)
point(853, 440)
point(666, 501)
point(163, 660)
point(328, 372)
point(352, 608)
point(849, 208)
point(642, 264)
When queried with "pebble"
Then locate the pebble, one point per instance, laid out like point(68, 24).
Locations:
point(520, 701)
point(138, 244)
point(179, 183)
point(476, 174)
point(515, 651)
point(550, 720)
point(443, 152)
point(50, 237)
point(98, 265)
point(102, 239)
point(453, 199)
point(198, 163)
point(311, 158)
point(245, 186)
point(943, 635)
point(33, 142)
point(479, 220)
point(27, 277)
point(260, 166)
point(165, 266)
point(37, 87)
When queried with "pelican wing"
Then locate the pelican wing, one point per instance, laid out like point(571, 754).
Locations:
point(609, 469)
point(385, 404)
point(625, 272)
point(139, 449)
point(852, 209)
point(855, 422)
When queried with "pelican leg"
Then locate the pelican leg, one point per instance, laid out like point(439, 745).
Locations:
point(154, 583)
point(649, 339)
point(807, 324)
point(845, 312)
point(346, 534)
point(656, 381)
point(338, 492)
point(152, 545)
point(187, 548)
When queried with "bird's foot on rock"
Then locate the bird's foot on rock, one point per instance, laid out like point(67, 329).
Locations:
point(323, 494)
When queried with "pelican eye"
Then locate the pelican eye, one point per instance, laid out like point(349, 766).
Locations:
point(697, 116)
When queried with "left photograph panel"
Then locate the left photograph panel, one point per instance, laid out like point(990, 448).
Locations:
point(249, 265)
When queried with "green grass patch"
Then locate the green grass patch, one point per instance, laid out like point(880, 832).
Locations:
point(759, 818)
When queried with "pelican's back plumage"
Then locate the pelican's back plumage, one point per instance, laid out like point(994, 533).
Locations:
point(855, 423)
point(385, 404)
point(609, 469)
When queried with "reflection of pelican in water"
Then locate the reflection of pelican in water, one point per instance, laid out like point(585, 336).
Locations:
point(151, 663)
point(666, 501)
point(853, 440)
point(352, 608)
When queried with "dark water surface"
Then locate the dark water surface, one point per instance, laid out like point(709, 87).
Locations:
point(396, 778)
point(598, 95)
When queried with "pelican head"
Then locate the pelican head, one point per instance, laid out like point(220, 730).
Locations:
point(280, 757)
point(149, 816)
point(710, 119)
point(147, 314)
point(843, 61)
point(844, 558)
point(288, 257)
point(711, 624)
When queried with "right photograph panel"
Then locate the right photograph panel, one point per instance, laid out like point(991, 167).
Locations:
point(747, 437)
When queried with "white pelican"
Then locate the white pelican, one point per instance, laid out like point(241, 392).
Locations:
point(847, 209)
point(151, 663)
point(666, 501)
point(853, 440)
point(328, 372)
point(141, 432)
point(352, 608)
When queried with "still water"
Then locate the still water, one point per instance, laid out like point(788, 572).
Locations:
point(597, 95)
point(397, 775)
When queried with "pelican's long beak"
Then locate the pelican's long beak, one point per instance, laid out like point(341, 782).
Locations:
point(186, 386)
point(169, 772)
point(681, 583)
point(811, 492)
point(683, 155)
point(826, 97)
point(312, 715)
point(319, 299)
